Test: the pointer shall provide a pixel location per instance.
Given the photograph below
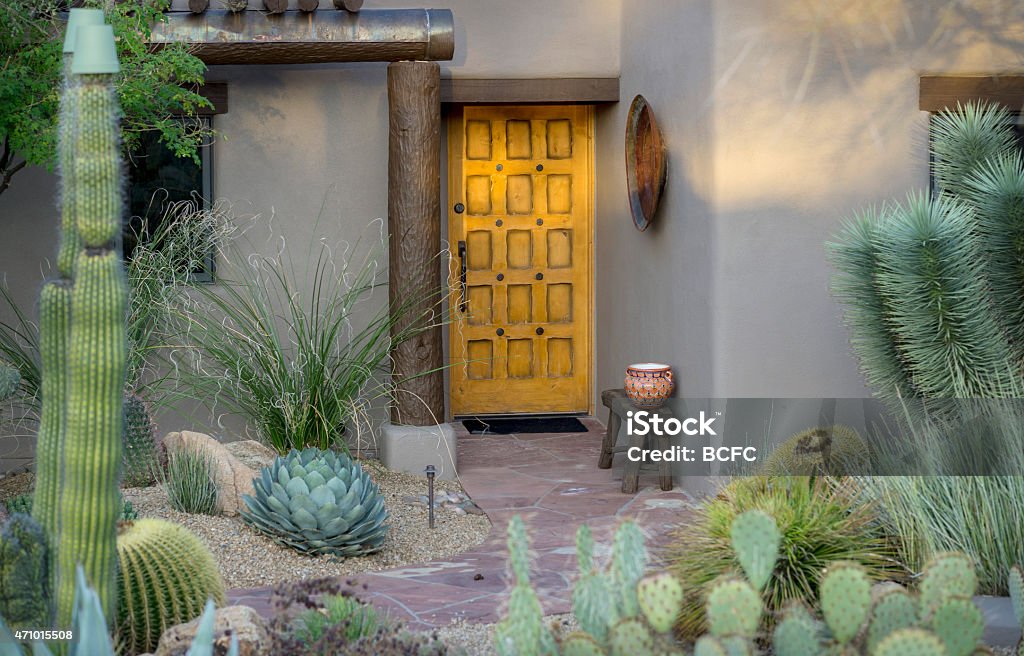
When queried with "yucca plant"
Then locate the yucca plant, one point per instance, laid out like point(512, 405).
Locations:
point(931, 286)
point(293, 350)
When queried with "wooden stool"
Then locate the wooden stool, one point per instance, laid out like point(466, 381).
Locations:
point(618, 405)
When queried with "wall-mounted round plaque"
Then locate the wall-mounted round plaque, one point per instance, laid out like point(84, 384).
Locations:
point(646, 168)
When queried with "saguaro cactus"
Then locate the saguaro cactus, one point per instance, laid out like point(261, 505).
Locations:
point(55, 308)
point(97, 353)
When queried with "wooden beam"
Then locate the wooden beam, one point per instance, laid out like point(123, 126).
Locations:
point(275, 6)
point(308, 5)
point(198, 6)
point(937, 92)
point(540, 90)
point(252, 37)
point(348, 5)
point(217, 94)
point(414, 243)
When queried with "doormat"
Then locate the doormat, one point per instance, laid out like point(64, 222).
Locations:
point(524, 425)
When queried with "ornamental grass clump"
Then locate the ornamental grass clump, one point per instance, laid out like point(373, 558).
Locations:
point(318, 502)
point(190, 484)
point(300, 355)
point(821, 522)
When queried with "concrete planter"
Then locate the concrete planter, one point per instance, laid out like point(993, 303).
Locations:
point(412, 448)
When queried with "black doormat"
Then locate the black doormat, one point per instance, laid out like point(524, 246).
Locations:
point(524, 425)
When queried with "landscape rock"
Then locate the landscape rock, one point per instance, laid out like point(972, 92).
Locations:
point(242, 621)
point(232, 476)
point(253, 454)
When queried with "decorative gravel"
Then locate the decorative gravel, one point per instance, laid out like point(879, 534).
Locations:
point(478, 639)
point(248, 559)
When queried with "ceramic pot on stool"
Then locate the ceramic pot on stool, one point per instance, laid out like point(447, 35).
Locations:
point(649, 384)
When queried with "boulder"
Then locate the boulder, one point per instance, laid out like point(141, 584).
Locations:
point(242, 621)
point(253, 454)
point(233, 478)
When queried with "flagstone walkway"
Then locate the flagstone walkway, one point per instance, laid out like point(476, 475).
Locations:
point(552, 480)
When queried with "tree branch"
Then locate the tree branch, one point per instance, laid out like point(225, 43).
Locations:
point(9, 173)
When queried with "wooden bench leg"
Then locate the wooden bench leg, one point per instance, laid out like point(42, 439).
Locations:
point(665, 478)
point(611, 436)
point(631, 472)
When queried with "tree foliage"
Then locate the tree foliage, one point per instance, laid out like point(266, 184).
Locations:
point(156, 89)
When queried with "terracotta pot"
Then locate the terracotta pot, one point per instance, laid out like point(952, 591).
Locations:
point(648, 385)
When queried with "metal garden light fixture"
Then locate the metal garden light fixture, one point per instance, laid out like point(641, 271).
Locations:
point(430, 494)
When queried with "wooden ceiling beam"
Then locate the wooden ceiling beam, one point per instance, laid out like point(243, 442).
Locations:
point(252, 37)
point(937, 92)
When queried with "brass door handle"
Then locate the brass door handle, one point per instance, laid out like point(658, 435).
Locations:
point(463, 303)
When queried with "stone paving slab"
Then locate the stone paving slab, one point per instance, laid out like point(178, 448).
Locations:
point(553, 482)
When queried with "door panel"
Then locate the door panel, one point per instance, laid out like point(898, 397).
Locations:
point(523, 179)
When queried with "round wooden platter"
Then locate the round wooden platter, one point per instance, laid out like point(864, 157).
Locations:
point(646, 166)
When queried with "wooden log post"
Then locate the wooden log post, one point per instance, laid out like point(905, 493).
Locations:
point(308, 5)
point(275, 6)
point(348, 5)
point(198, 6)
point(414, 226)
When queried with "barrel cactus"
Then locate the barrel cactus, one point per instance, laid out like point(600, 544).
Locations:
point(829, 450)
point(140, 445)
point(166, 574)
point(318, 502)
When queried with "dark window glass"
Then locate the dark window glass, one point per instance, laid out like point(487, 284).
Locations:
point(158, 179)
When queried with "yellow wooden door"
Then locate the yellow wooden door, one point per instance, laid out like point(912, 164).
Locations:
point(520, 229)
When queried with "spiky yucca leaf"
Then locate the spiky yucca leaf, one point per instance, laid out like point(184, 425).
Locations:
point(996, 191)
point(930, 270)
point(963, 139)
point(854, 253)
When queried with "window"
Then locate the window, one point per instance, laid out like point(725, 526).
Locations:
point(158, 179)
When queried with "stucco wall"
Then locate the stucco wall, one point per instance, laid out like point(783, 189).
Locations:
point(305, 147)
point(781, 118)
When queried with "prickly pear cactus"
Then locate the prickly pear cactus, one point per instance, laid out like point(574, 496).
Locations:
point(1016, 585)
point(709, 646)
point(631, 638)
point(845, 600)
point(756, 540)
point(959, 624)
point(798, 634)
point(661, 598)
point(733, 609)
point(894, 609)
point(911, 642)
point(946, 576)
point(581, 644)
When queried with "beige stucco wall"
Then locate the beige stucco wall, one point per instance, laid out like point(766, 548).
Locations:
point(781, 119)
point(305, 147)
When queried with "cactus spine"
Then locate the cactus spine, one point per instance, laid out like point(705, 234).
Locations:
point(166, 574)
point(96, 357)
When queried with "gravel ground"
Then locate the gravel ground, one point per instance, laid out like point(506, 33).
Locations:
point(478, 639)
point(248, 559)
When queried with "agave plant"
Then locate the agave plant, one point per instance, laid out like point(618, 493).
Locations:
point(318, 502)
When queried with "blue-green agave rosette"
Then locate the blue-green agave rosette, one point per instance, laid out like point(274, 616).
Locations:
point(318, 502)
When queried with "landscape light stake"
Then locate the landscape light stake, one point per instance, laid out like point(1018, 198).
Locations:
point(430, 494)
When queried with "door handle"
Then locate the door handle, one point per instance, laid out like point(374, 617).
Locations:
point(463, 304)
